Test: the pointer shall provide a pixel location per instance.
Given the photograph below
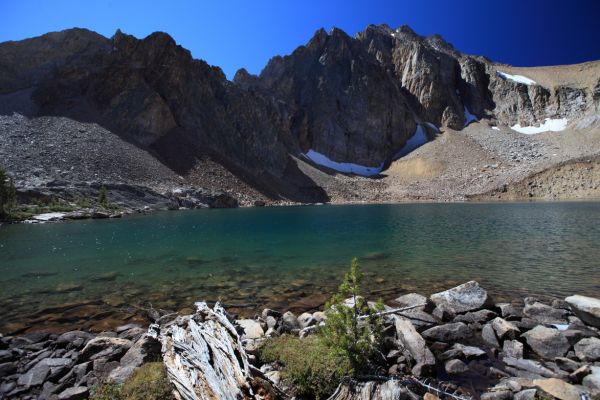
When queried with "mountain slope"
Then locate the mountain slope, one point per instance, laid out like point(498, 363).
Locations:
point(78, 110)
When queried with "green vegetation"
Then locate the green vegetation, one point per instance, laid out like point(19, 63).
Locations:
point(103, 196)
point(310, 365)
point(83, 203)
point(106, 391)
point(7, 194)
point(39, 206)
point(353, 328)
point(345, 346)
point(148, 382)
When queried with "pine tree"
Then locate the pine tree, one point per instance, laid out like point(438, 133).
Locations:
point(7, 194)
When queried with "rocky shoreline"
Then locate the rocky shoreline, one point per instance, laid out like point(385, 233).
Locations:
point(459, 337)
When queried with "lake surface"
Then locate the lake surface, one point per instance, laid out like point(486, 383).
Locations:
point(95, 274)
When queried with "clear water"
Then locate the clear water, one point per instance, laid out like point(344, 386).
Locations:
point(96, 273)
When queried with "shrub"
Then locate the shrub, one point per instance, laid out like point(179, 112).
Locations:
point(310, 365)
point(106, 391)
point(148, 382)
point(353, 328)
point(7, 194)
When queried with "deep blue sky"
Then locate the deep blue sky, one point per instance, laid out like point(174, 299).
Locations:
point(235, 34)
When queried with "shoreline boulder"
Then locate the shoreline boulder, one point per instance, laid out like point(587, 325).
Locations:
point(586, 308)
point(462, 298)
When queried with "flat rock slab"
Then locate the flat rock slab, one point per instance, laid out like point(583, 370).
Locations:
point(460, 299)
point(412, 341)
point(35, 376)
point(586, 308)
point(448, 332)
point(547, 342)
point(558, 388)
point(74, 393)
point(545, 314)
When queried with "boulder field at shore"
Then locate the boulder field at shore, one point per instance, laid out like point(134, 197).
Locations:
point(459, 338)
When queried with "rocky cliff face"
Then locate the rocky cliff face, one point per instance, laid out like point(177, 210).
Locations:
point(355, 100)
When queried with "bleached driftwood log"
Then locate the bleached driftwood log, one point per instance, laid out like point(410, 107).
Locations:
point(388, 388)
point(204, 357)
point(372, 390)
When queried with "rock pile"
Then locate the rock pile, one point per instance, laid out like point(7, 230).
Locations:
point(459, 336)
point(65, 367)
point(501, 350)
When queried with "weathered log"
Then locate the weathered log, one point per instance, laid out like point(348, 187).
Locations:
point(205, 359)
point(392, 388)
point(372, 390)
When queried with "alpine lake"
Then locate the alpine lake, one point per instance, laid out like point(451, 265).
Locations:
point(98, 274)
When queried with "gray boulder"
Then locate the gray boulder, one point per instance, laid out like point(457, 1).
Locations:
point(592, 381)
point(497, 395)
point(454, 367)
point(460, 350)
point(546, 342)
point(527, 394)
point(290, 321)
point(586, 308)
point(420, 319)
point(414, 343)
point(510, 311)
point(463, 298)
point(455, 331)
point(110, 348)
point(146, 349)
point(545, 314)
point(480, 317)
point(513, 348)
point(489, 336)
point(530, 366)
point(251, 329)
point(35, 376)
point(306, 319)
point(412, 299)
point(588, 349)
point(504, 329)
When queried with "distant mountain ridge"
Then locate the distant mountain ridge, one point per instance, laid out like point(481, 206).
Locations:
point(351, 100)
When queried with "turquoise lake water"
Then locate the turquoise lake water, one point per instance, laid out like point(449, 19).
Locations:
point(85, 273)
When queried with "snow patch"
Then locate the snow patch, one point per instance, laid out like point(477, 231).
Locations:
point(469, 117)
point(554, 125)
point(495, 128)
point(416, 140)
point(517, 78)
point(347, 168)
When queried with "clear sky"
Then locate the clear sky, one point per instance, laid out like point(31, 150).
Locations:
point(235, 34)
